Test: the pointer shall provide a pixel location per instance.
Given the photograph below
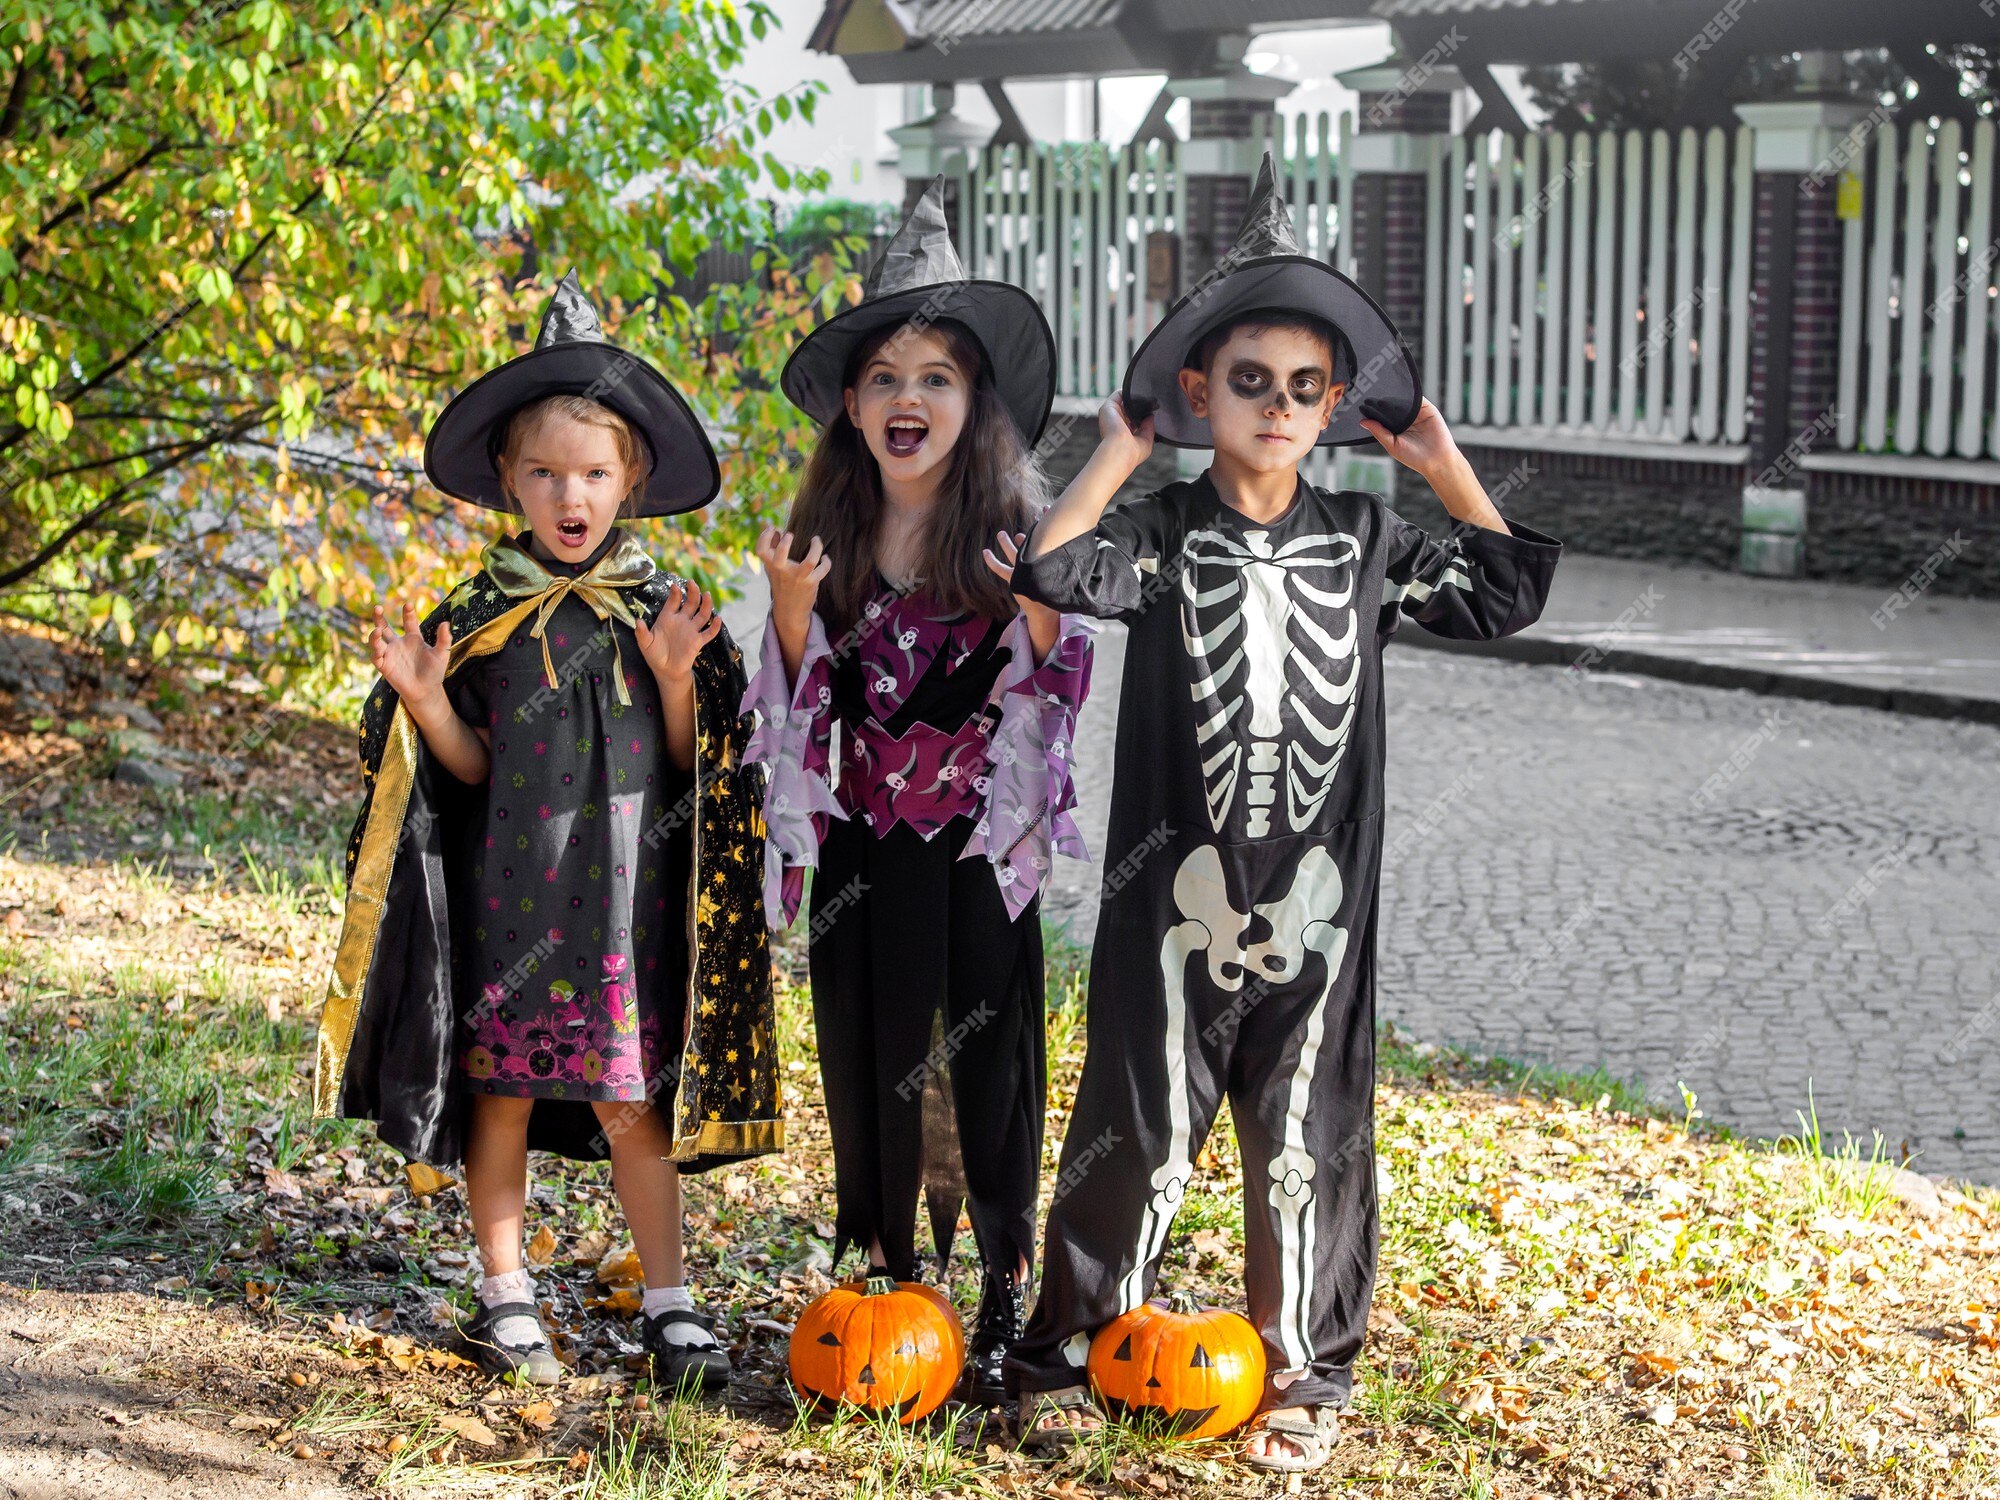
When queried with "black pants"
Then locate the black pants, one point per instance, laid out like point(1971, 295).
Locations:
point(902, 929)
point(1178, 1018)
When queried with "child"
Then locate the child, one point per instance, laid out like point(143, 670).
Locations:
point(1242, 960)
point(956, 708)
point(554, 770)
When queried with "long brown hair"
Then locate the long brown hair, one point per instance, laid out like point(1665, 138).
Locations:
point(991, 482)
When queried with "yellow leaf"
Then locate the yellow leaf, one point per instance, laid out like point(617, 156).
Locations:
point(542, 1248)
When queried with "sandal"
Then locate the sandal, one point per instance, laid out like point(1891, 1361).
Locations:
point(1037, 1405)
point(1314, 1436)
point(534, 1360)
point(678, 1365)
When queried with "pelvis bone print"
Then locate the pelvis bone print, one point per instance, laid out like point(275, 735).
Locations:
point(1271, 633)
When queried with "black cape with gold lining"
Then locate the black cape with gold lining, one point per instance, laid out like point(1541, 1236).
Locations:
point(387, 1045)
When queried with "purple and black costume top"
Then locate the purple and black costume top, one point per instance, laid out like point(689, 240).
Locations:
point(943, 716)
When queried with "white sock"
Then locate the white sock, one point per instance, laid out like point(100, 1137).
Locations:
point(659, 1299)
point(511, 1286)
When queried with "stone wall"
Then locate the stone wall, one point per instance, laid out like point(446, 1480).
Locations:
point(1622, 507)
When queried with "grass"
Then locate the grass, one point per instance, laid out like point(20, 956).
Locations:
point(1581, 1291)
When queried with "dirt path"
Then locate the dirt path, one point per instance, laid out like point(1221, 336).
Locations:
point(112, 1396)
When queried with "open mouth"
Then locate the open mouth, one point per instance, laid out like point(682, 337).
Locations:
point(573, 532)
point(905, 435)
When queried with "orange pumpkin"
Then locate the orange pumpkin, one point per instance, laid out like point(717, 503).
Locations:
point(881, 1345)
point(1198, 1372)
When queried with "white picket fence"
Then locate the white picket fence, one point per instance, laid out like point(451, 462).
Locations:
point(1594, 283)
point(1918, 330)
point(1069, 223)
point(1309, 155)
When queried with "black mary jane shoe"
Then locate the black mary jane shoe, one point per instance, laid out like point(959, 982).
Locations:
point(533, 1360)
point(681, 1366)
point(1002, 1319)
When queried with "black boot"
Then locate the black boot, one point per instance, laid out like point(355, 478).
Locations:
point(1003, 1317)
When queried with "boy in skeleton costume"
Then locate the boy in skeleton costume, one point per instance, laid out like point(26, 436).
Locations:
point(1241, 961)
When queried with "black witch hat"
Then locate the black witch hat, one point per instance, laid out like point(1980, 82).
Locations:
point(572, 357)
point(1264, 271)
point(918, 281)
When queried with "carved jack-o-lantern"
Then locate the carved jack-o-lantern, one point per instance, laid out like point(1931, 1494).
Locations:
point(1198, 1372)
point(881, 1345)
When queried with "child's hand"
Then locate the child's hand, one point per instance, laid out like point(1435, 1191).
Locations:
point(1043, 622)
point(415, 670)
point(1129, 442)
point(686, 623)
point(1426, 445)
point(794, 585)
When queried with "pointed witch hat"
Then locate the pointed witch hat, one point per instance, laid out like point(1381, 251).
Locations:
point(1264, 271)
point(572, 357)
point(917, 282)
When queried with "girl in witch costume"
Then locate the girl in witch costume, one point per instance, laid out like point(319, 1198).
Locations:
point(552, 932)
point(1241, 961)
point(890, 614)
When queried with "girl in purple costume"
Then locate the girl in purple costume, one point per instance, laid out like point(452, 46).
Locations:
point(957, 705)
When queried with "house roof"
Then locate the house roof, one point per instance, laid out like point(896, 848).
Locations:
point(935, 41)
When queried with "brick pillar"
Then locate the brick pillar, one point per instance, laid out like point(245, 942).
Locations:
point(1795, 277)
point(1404, 114)
point(1227, 114)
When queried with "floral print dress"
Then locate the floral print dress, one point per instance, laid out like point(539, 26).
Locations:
point(578, 951)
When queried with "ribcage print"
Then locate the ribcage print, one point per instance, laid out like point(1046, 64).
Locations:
point(1271, 635)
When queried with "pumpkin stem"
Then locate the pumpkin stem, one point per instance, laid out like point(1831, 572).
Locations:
point(879, 1286)
point(1182, 1303)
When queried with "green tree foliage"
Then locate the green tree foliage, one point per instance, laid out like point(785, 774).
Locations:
point(247, 251)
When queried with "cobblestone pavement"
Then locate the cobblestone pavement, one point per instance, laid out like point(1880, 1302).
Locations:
point(1754, 896)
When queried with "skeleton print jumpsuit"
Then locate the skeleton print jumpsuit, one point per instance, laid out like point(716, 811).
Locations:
point(1240, 959)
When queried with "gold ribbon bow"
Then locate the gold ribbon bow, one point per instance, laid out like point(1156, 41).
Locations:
point(520, 576)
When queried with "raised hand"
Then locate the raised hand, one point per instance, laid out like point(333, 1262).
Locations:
point(1129, 440)
point(685, 624)
point(794, 584)
point(1043, 623)
point(416, 670)
point(1426, 445)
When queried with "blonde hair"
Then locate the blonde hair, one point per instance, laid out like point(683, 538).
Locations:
point(526, 422)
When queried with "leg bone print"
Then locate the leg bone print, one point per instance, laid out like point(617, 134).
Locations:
point(1272, 634)
point(1212, 929)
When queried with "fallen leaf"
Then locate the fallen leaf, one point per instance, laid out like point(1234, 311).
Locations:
point(540, 1414)
point(471, 1429)
point(621, 1268)
point(281, 1184)
point(542, 1248)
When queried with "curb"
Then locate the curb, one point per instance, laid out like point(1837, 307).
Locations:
point(1542, 651)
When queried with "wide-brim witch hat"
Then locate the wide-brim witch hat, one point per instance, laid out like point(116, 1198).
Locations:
point(917, 282)
point(572, 357)
point(1264, 271)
